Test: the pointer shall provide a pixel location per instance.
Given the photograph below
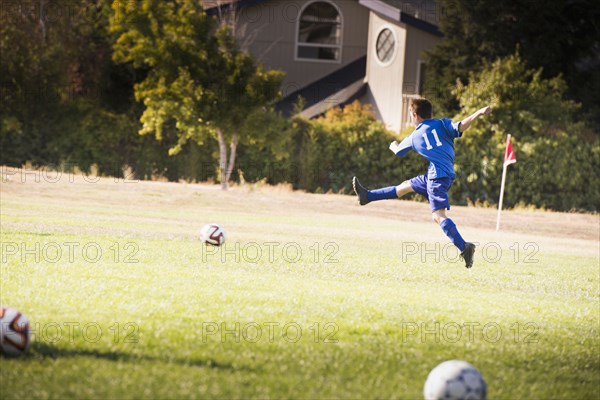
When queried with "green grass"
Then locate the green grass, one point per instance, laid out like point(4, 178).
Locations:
point(159, 315)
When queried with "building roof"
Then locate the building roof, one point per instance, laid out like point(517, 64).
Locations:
point(341, 98)
point(422, 14)
point(212, 6)
point(338, 88)
point(208, 4)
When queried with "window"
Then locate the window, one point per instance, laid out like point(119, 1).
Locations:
point(385, 46)
point(320, 33)
point(421, 76)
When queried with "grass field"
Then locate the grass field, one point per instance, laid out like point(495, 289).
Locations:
point(312, 296)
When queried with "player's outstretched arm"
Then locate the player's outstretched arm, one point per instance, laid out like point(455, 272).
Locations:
point(400, 149)
point(466, 123)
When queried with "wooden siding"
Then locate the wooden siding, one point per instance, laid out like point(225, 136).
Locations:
point(385, 81)
point(417, 41)
point(268, 31)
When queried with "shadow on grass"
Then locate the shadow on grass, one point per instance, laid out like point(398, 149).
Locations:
point(40, 350)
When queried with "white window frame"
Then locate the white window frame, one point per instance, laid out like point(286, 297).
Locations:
point(418, 83)
point(393, 58)
point(332, 46)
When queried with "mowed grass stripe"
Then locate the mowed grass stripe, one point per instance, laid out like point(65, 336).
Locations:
point(373, 323)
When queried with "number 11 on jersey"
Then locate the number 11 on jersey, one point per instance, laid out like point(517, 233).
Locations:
point(437, 140)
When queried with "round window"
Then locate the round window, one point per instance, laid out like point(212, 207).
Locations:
point(385, 45)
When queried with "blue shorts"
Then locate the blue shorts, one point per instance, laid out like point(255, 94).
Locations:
point(434, 190)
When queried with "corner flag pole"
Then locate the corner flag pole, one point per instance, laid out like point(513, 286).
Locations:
point(509, 158)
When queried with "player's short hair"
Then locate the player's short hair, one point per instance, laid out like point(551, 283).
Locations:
point(422, 107)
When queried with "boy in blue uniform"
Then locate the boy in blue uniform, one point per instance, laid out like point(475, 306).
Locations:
point(434, 140)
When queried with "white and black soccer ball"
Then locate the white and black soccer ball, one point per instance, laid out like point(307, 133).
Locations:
point(455, 380)
point(14, 332)
point(212, 234)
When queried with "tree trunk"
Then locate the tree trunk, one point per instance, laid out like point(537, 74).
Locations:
point(226, 168)
point(222, 159)
point(232, 153)
point(42, 15)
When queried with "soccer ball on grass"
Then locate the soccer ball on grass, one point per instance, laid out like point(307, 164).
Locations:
point(14, 332)
point(212, 234)
point(455, 380)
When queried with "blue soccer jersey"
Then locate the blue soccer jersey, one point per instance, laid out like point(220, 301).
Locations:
point(434, 140)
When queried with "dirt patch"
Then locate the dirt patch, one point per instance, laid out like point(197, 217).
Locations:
point(78, 191)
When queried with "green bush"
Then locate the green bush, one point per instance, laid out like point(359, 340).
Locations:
point(558, 172)
point(557, 156)
point(264, 151)
point(346, 142)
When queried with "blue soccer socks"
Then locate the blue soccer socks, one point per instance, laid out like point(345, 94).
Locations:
point(449, 228)
point(386, 193)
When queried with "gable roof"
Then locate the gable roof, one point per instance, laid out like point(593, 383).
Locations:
point(208, 4)
point(212, 7)
point(338, 88)
point(422, 14)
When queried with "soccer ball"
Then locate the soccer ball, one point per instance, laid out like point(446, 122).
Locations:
point(455, 380)
point(14, 332)
point(212, 234)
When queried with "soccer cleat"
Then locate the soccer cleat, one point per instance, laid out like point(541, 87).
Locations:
point(467, 254)
point(360, 191)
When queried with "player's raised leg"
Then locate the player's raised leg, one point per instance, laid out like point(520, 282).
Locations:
point(366, 196)
point(467, 250)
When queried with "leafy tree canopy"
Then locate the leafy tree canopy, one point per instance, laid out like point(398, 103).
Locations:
point(199, 83)
point(561, 36)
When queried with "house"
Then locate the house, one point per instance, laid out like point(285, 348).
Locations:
point(337, 51)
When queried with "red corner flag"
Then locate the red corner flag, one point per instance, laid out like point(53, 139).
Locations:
point(509, 155)
point(509, 158)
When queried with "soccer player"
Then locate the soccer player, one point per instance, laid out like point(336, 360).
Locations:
point(434, 140)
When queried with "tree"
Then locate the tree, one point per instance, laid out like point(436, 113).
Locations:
point(33, 81)
point(561, 36)
point(198, 83)
point(58, 88)
point(557, 155)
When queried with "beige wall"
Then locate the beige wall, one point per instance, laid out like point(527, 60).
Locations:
point(268, 31)
point(417, 41)
point(391, 87)
point(385, 81)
